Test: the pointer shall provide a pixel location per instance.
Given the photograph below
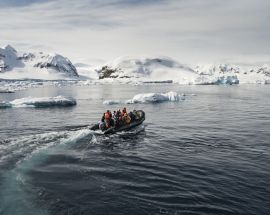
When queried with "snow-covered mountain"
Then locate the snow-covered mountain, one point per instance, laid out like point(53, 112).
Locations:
point(233, 74)
point(14, 65)
point(162, 69)
point(147, 69)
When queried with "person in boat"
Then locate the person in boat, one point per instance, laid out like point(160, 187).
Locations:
point(116, 118)
point(132, 116)
point(125, 117)
point(136, 114)
point(102, 124)
point(108, 119)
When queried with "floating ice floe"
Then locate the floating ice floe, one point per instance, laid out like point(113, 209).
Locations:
point(149, 98)
point(156, 97)
point(112, 102)
point(58, 101)
point(267, 81)
point(212, 80)
point(4, 104)
point(6, 91)
point(228, 80)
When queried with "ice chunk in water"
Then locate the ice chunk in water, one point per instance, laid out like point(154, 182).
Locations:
point(59, 101)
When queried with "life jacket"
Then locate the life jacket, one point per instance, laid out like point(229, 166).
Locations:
point(126, 118)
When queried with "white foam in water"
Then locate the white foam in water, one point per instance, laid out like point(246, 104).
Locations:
point(59, 101)
point(25, 153)
point(150, 98)
point(26, 146)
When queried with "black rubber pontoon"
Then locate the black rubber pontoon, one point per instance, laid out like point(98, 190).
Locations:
point(139, 120)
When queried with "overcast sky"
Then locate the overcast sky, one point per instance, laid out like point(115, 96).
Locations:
point(187, 30)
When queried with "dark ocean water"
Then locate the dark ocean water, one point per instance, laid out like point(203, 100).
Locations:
point(209, 154)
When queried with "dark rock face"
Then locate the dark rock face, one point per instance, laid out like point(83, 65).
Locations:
point(26, 57)
point(107, 72)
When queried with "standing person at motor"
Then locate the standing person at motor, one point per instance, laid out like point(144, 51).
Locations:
point(132, 116)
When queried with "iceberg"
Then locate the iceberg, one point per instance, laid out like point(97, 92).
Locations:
point(156, 97)
point(149, 98)
point(6, 91)
point(228, 80)
point(112, 102)
point(58, 101)
point(267, 81)
point(4, 104)
point(221, 80)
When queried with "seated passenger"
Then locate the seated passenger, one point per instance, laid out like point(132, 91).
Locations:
point(108, 119)
point(116, 115)
point(125, 117)
point(124, 111)
point(119, 117)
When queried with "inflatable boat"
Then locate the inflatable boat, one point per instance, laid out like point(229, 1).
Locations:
point(138, 120)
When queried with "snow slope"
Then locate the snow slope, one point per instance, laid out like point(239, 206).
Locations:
point(14, 65)
point(166, 70)
point(147, 69)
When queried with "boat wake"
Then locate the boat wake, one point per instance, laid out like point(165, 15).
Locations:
point(18, 156)
point(21, 155)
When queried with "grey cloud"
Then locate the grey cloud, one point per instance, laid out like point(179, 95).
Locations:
point(20, 3)
point(181, 28)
